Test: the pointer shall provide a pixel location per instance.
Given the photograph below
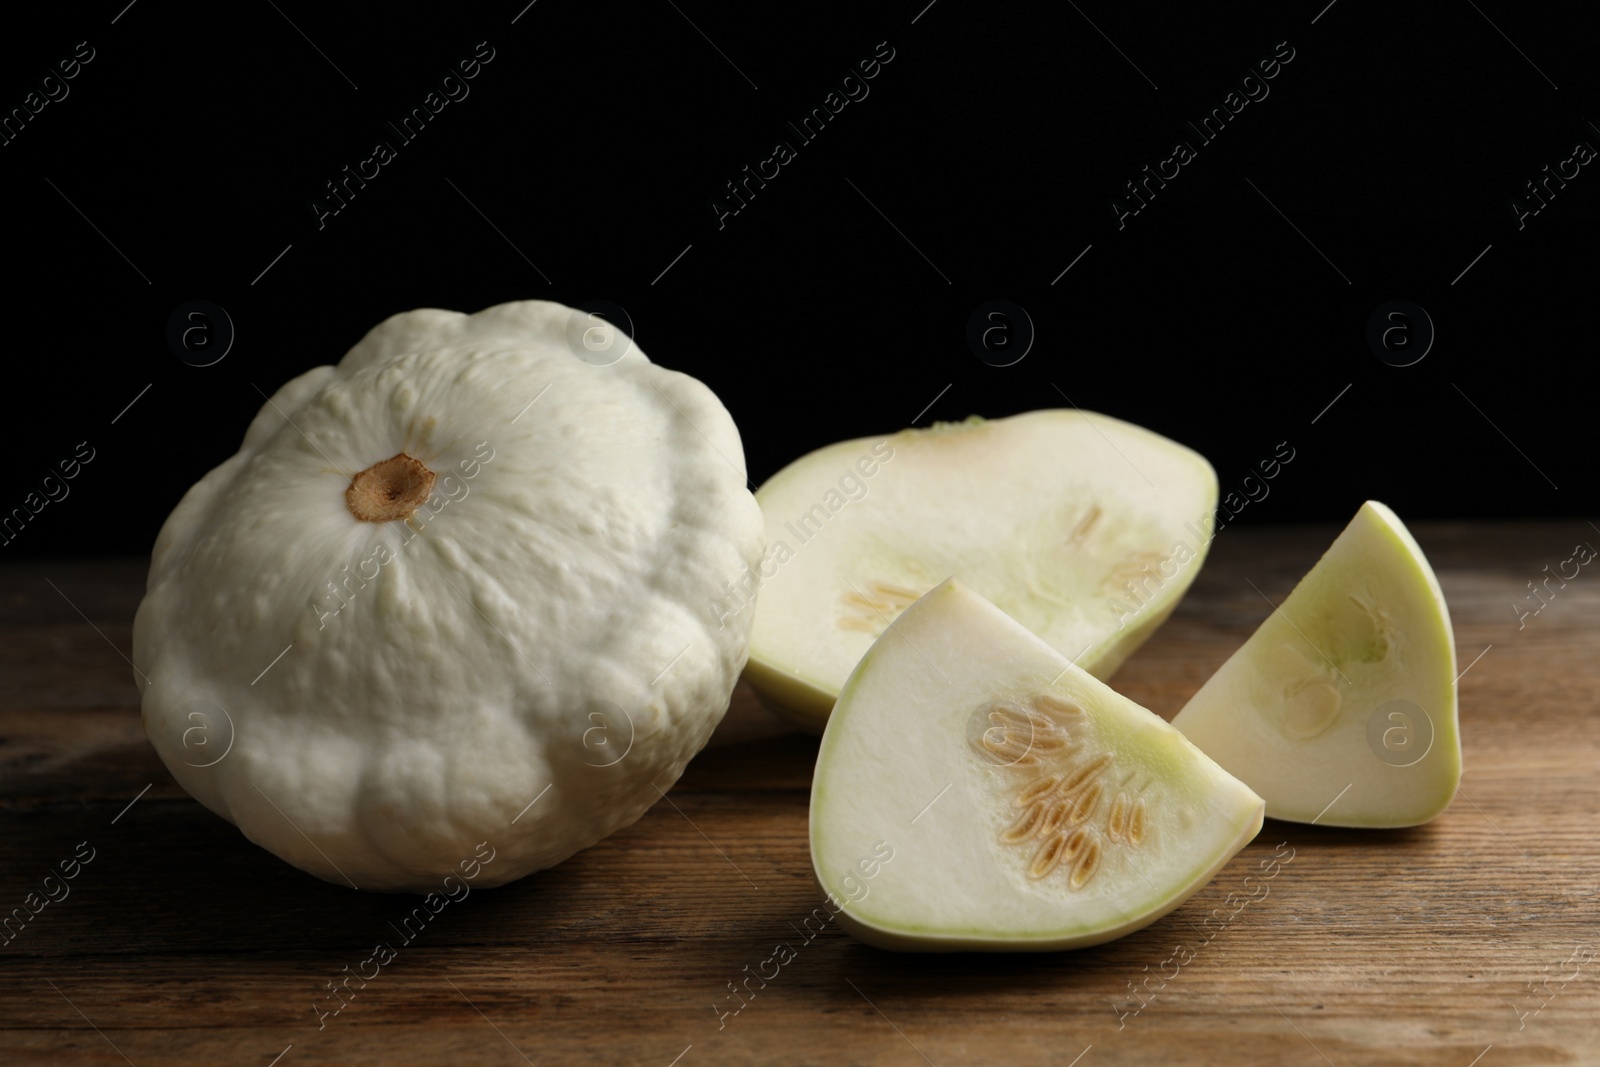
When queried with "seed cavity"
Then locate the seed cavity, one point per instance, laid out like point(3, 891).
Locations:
point(1048, 856)
point(1054, 815)
point(1132, 567)
point(873, 612)
point(1117, 821)
point(1026, 826)
point(1083, 805)
point(1008, 748)
point(1086, 774)
point(1024, 737)
point(1062, 712)
point(1086, 523)
point(1126, 823)
point(1375, 644)
point(1067, 802)
point(1299, 690)
point(1037, 790)
point(1087, 865)
point(1310, 710)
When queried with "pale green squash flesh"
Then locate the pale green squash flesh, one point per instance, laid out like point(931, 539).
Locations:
point(975, 791)
point(1341, 708)
point(1084, 528)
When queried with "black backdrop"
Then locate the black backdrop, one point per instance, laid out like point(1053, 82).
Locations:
point(979, 163)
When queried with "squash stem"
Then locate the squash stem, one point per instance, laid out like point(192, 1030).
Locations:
point(391, 489)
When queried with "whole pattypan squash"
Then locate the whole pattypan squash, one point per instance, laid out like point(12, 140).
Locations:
point(458, 589)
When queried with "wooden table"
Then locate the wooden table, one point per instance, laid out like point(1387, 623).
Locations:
point(1457, 943)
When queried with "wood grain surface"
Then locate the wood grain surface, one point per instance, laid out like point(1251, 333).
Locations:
point(1470, 941)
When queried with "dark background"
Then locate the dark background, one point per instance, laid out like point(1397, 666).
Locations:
point(992, 142)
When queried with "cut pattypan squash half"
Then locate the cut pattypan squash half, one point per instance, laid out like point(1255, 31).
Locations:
point(976, 791)
point(1084, 528)
point(451, 591)
point(1341, 708)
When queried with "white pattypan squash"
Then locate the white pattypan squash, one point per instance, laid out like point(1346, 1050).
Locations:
point(457, 589)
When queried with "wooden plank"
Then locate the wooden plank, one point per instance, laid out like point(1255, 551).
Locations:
point(182, 943)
